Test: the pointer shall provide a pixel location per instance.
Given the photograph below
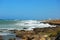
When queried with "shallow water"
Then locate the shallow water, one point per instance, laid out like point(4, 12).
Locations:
point(20, 24)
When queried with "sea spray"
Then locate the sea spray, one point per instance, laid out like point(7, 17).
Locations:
point(20, 24)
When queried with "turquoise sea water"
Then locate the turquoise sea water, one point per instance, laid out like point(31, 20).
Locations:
point(15, 24)
point(9, 24)
point(20, 24)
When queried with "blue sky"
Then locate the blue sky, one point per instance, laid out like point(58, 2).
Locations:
point(29, 9)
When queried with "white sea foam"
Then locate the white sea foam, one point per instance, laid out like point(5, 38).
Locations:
point(20, 24)
point(33, 24)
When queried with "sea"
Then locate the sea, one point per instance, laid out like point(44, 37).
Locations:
point(22, 24)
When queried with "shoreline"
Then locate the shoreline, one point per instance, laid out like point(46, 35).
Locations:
point(37, 33)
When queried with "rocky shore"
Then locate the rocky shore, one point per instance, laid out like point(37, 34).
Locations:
point(38, 34)
point(47, 33)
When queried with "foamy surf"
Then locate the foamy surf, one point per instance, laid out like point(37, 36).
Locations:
point(21, 24)
point(33, 24)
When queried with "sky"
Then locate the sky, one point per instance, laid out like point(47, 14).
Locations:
point(29, 9)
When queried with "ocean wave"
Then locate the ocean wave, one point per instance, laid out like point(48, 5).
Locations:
point(32, 23)
point(20, 24)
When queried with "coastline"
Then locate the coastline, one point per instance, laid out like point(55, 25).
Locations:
point(37, 33)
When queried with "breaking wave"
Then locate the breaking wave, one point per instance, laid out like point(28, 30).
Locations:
point(21, 24)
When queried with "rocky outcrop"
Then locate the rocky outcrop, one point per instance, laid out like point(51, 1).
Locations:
point(52, 22)
point(47, 33)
